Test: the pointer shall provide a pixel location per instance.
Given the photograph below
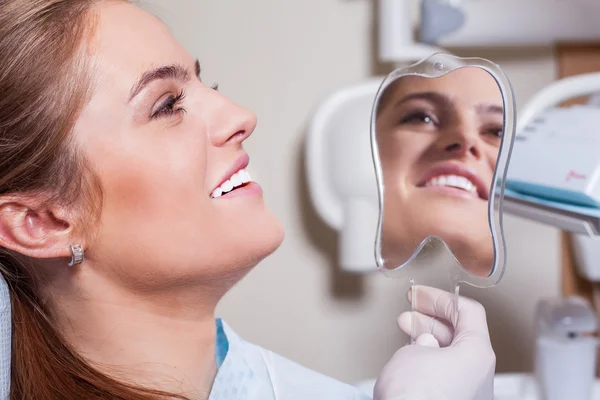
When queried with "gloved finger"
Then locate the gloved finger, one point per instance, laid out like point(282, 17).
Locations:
point(468, 318)
point(427, 340)
point(441, 330)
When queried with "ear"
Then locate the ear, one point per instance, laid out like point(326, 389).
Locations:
point(36, 232)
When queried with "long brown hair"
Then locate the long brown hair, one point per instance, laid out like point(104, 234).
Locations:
point(44, 83)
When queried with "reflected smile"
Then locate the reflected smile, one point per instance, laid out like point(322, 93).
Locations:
point(455, 179)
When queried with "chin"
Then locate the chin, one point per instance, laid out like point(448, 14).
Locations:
point(274, 239)
point(250, 249)
point(264, 244)
point(477, 264)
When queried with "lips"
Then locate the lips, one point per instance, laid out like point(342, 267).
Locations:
point(456, 176)
point(235, 177)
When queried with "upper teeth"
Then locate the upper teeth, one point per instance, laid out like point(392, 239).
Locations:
point(237, 179)
point(453, 180)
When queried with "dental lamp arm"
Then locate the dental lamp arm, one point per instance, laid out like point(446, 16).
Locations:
point(558, 92)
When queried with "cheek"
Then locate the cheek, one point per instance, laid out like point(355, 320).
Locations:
point(146, 207)
point(150, 179)
point(402, 158)
point(492, 153)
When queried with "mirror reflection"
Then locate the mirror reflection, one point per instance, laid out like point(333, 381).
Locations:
point(438, 141)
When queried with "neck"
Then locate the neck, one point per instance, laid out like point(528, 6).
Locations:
point(162, 341)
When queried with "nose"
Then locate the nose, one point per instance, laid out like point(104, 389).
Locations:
point(232, 123)
point(461, 141)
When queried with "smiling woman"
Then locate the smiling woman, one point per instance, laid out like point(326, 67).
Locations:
point(115, 155)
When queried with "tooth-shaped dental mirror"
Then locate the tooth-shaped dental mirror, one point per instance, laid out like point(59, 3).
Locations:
point(441, 133)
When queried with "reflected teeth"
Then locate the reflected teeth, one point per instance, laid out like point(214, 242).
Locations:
point(456, 181)
point(236, 180)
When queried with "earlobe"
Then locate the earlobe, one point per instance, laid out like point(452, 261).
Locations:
point(33, 232)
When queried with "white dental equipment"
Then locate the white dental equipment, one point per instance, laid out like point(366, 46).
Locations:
point(565, 352)
point(395, 33)
point(475, 23)
point(555, 162)
point(482, 23)
point(340, 172)
point(556, 157)
point(555, 167)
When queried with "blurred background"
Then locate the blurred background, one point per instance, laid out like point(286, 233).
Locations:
point(280, 58)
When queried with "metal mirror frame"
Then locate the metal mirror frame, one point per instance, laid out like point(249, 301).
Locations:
point(435, 66)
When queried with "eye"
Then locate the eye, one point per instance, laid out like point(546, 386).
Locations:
point(170, 106)
point(418, 117)
point(495, 131)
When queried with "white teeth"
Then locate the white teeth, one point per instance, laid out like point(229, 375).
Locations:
point(244, 176)
point(453, 181)
point(227, 186)
point(235, 180)
point(239, 178)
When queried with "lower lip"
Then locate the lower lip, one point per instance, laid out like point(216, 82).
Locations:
point(251, 189)
point(451, 191)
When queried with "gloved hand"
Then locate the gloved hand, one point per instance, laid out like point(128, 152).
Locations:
point(449, 361)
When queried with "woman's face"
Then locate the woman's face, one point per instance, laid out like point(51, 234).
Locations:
point(438, 141)
point(167, 150)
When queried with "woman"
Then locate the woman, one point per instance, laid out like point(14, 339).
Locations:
point(126, 213)
point(438, 142)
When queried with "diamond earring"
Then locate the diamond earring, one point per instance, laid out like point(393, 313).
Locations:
point(76, 255)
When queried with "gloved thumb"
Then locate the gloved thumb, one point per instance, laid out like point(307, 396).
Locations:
point(427, 340)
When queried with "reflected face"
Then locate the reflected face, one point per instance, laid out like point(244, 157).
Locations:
point(178, 205)
point(438, 141)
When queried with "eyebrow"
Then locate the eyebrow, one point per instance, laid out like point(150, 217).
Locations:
point(433, 97)
point(174, 71)
point(444, 101)
point(489, 108)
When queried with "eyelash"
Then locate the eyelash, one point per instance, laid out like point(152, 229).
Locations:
point(495, 131)
point(417, 117)
point(170, 106)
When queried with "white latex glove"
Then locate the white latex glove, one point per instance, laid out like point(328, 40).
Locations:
point(447, 362)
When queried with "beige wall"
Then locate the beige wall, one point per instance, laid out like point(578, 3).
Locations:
point(280, 58)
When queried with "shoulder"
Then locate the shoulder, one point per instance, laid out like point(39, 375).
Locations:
point(289, 377)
